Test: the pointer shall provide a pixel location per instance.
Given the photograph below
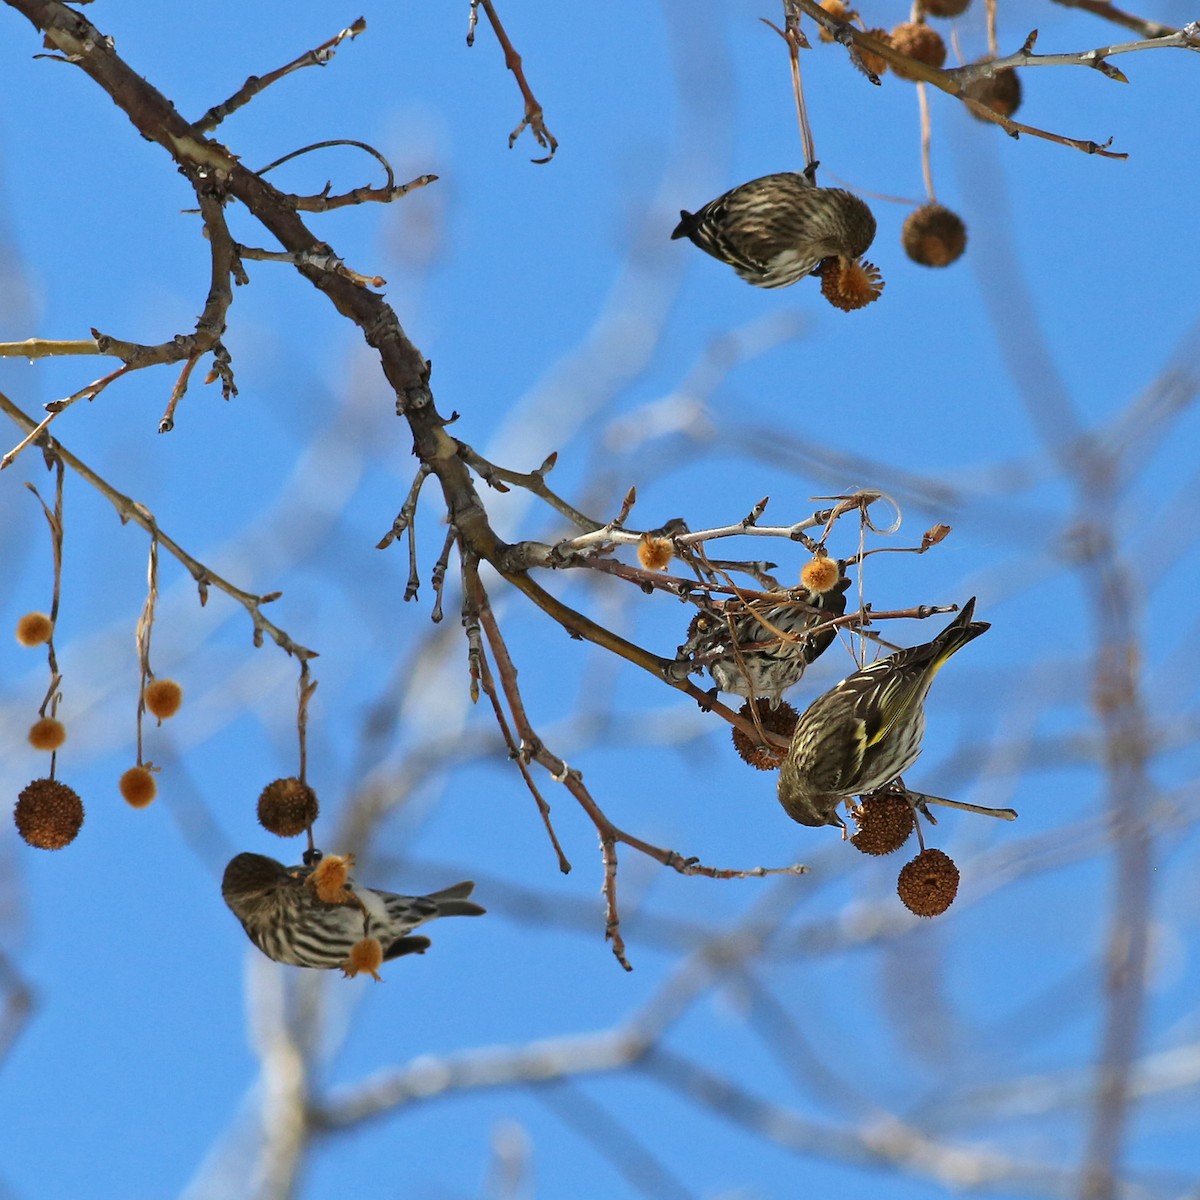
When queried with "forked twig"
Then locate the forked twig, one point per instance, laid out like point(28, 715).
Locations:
point(533, 118)
point(131, 510)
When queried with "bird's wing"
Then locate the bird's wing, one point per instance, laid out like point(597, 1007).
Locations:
point(842, 755)
point(880, 710)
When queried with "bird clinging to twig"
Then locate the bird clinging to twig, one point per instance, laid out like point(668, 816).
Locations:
point(761, 647)
point(775, 230)
point(867, 730)
point(286, 917)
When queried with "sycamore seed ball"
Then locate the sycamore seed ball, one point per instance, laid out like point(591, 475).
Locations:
point(781, 720)
point(929, 883)
point(137, 787)
point(820, 574)
point(34, 629)
point(366, 955)
point(47, 734)
point(330, 878)
point(945, 8)
point(885, 822)
point(933, 236)
point(48, 814)
point(850, 283)
point(873, 62)
point(654, 553)
point(919, 41)
point(1001, 92)
point(287, 807)
point(163, 697)
point(835, 8)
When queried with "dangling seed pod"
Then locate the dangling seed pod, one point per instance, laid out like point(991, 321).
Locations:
point(367, 956)
point(654, 553)
point(1001, 93)
point(34, 629)
point(47, 734)
point(781, 720)
point(929, 883)
point(885, 822)
point(48, 814)
point(850, 283)
point(945, 8)
point(933, 236)
point(137, 787)
point(163, 698)
point(838, 10)
point(872, 61)
point(919, 41)
point(287, 807)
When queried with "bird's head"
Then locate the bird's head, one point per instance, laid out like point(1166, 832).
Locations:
point(251, 876)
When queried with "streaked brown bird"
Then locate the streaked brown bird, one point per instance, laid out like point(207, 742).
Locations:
point(867, 730)
point(757, 647)
point(775, 230)
point(285, 919)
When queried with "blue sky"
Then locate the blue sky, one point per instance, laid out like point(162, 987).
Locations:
point(558, 316)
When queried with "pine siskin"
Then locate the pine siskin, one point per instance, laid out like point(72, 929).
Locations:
point(775, 230)
point(866, 731)
point(741, 643)
point(285, 919)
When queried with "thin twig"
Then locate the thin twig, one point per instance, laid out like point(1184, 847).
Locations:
point(131, 510)
point(91, 391)
point(532, 481)
point(142, 633)
point(533, 118)
point(1101, 8)
point(438, 577)
point(404, 517)
point(953, 80)
point(481, 609)
point(317, 57)
point(926, 141)
point(33, 348)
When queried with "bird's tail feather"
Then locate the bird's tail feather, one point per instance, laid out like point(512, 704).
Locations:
point(958, 633)
point(453, 902)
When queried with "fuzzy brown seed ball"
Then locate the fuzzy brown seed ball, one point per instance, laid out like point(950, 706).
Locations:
point(48, 814)
point(654, 553)
point(781, 720)
point(287, 807)
point(366, 955)
point(163, 697)
point(848, 283)
point(138, 787)
point(47, 734)
point(330, 878)
point(873, 62)
point(885, 821)
point(34, 629)
point(1001, 93)
point(835, 8)
point(919, 41)
point(933, 236)
point(929, 883)
point(820, 574)
point(945, 8)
